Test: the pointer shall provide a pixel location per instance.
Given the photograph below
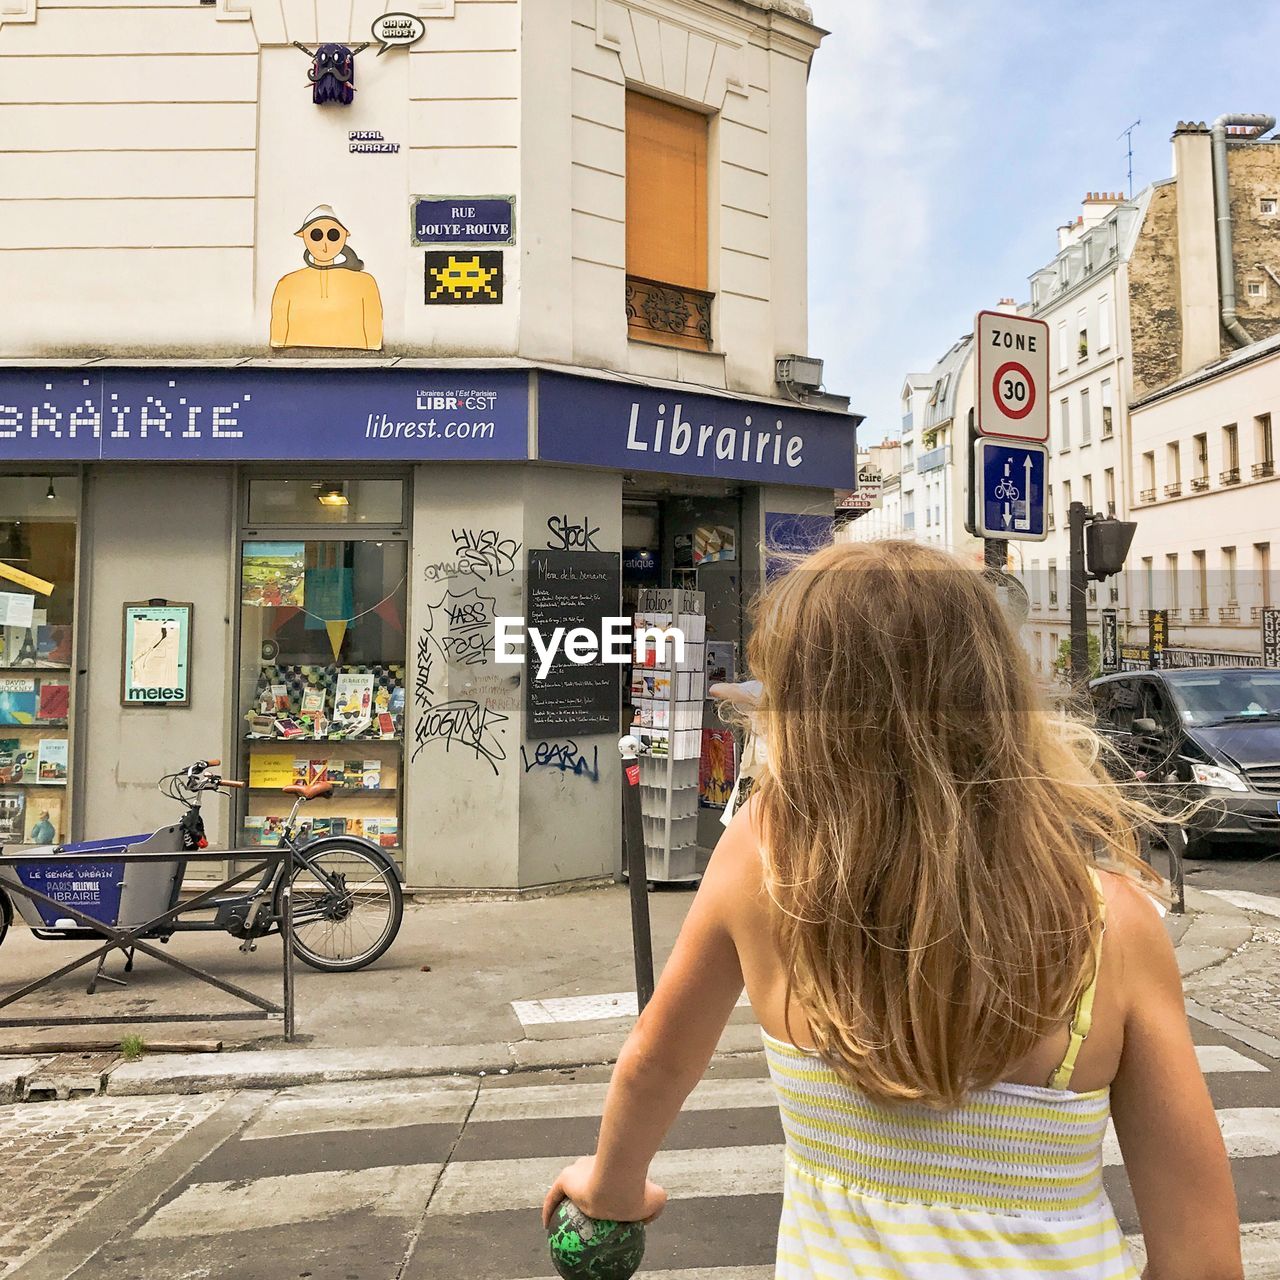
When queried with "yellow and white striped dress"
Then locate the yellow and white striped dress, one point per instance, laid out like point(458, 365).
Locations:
point(1007, 1185)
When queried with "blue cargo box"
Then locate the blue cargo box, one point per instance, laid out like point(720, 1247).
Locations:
point(119, 894)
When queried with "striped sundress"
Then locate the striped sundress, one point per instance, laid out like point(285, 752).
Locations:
point(1007, 1185)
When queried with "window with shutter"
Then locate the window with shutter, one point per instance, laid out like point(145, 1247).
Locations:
point(667, 223)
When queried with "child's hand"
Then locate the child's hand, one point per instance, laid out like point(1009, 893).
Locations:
point(578, 1183)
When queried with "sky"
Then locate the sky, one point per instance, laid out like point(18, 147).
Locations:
point(947, 142)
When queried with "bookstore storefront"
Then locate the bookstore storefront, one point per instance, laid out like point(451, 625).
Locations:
point(298, 569)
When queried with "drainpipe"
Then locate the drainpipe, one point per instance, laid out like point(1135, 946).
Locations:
point(1222, 201)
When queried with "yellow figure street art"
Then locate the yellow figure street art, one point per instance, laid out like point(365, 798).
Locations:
point(331, 301)
point(463, 278)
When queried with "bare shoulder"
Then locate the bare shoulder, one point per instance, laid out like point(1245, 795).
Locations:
point(1135, 926)
point(735, 874)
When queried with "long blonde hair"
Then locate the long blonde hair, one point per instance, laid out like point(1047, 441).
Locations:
point(928, 825)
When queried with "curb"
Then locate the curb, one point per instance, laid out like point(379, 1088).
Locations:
point(1217, 930)
point(291, 1068)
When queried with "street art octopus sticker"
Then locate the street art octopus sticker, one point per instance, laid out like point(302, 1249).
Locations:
point(454, 278)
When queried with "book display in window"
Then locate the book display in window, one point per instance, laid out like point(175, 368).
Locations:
point(342, 725)
point(667, 693)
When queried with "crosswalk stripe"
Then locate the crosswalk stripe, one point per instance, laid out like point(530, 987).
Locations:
point(223, 1208)
point(1259, 1248)
point(479, 1186)
point(491, 1186)
point(765, 1272)
point(617, 1004)
point(1221, 1057)
point(556, 1101)
point(1262, 903)
point(1247, 1132)
point(336, 1108)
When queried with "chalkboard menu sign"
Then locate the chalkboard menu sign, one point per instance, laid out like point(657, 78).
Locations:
point(572, 589)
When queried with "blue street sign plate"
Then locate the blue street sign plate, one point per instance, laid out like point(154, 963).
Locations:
point(1010, 480)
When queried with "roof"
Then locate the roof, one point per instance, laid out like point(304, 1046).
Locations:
point(1255, 351)
point(945, 376)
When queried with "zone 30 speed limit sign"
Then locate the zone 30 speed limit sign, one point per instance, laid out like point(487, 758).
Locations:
point(1013, 377)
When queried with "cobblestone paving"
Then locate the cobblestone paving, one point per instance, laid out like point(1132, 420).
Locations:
point(1245, 986)
point(58, 1159)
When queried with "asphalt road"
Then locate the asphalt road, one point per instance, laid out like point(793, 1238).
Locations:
point(1251, 868)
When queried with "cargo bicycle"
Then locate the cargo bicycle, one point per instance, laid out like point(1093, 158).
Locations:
point(346, 904)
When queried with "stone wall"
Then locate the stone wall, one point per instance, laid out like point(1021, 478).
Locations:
point(1255, 175)
point(1154, 292)
point(1154, 295)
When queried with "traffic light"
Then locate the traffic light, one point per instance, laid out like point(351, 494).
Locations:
point(1106, 543)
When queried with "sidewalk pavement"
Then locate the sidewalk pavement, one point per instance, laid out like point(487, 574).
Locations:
point(440, 1003)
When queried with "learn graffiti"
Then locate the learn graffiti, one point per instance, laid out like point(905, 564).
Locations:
point(484, 553)
point(567, 757)
point(572, 535)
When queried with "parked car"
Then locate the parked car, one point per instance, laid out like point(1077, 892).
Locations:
point(1215, 730)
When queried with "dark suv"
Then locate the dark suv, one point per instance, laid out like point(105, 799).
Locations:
point(1214, 729)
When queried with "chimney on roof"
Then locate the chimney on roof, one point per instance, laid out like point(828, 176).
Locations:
point(1096, 206)
point(1008, 306)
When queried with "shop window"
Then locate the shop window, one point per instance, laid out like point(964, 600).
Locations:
point(37, 643)
point(667, 224)
point(322, 683)
point(295, 502)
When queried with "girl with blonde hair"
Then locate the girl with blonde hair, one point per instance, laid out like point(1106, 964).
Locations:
point(936, 904)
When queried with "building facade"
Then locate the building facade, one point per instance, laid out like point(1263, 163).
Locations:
point(1135, 302)
point(342, 348)
point(1203, 551)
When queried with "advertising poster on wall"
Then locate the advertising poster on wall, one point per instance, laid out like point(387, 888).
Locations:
point(713, 544)
point(157, 648)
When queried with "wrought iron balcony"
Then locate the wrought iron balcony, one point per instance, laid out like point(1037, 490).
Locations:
point(669, 314)
point(1146, 495)
point(1198, 614)
point(1256, 611)
point(1173, 490)
point(1229, 613)
point(1230, 476)
point(1199, 484)
point(1263, 469)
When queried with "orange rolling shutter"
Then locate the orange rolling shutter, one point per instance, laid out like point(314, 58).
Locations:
point(666, 192)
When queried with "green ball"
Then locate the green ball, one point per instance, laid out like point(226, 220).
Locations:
point(585, 1248)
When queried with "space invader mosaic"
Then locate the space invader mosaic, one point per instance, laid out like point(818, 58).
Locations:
point(465, 279)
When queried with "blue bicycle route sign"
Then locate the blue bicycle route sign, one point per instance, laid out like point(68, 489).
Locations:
point(1011, 499)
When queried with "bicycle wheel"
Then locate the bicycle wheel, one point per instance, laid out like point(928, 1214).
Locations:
point(347, 905)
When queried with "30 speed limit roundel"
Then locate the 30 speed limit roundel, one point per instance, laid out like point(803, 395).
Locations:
point(1011, 391)
point(1014, 390)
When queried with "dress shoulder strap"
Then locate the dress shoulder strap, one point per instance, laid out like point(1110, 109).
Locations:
point(1082, 1019)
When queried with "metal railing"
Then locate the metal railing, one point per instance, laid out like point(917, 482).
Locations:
point(1173, 490)
point(1230, 476)
point(1229, 613)
point(129, 939)
point(1263, 469)
point(658, 312)
point(1199, 484)
point(1146, 495)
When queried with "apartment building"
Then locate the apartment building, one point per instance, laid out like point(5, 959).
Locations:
point(582, 235)
point(1136, 302)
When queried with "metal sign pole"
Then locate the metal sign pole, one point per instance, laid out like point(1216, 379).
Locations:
point(634, 859)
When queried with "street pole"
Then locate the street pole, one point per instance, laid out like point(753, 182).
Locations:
point(1077, 513)
point(634, 860)
point(995, 555)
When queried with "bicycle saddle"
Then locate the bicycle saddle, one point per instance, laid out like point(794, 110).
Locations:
point(312, 791)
